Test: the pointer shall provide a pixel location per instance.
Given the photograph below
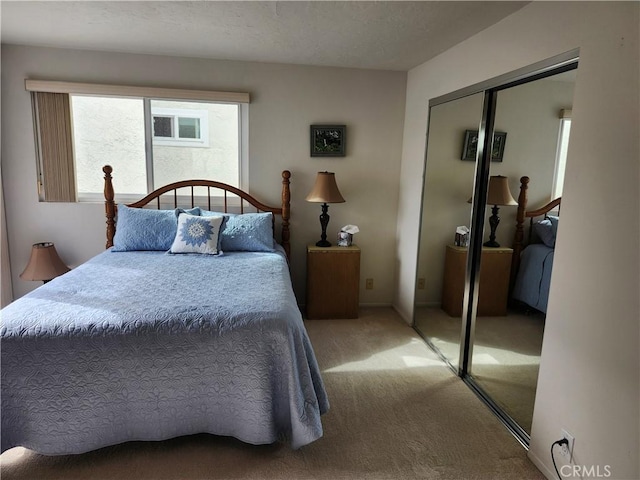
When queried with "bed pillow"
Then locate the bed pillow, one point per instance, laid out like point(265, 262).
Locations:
point(546, 232)
point(190, 211)
point(554, 224)
point(144, 229)
point(196, 234)
point(248, 232)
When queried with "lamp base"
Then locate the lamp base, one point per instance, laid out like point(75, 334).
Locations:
point(494, 220)
point(324, 221)
point(492, 244)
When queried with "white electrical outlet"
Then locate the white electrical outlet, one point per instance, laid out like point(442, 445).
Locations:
point(567, 450)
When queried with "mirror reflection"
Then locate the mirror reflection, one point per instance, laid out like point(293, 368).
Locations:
point(448, 185)
point(507, 347)
point(532, 128)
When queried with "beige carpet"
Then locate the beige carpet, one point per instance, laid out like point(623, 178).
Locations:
point(506, 355)
point(397, 412)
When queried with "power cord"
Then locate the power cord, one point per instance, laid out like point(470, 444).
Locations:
point(563, 441)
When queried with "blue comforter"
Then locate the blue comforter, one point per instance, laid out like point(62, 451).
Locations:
point(150, 346)
point(534, 276)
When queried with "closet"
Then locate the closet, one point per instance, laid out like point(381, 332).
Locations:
point(480, 142)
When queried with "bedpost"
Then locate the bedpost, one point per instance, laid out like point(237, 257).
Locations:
point(286, 201)
point(519, 235)
point(109, 205)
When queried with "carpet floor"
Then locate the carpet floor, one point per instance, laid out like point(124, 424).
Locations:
point(506, 355)
point(397, 412)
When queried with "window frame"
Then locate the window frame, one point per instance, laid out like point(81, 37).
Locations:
point(561, 154)
point(175, 114)
point(241, 99)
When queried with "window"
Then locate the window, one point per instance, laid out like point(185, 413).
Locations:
point(180, 127)
point(149, 140)
point(114, 131)
point(561, 153)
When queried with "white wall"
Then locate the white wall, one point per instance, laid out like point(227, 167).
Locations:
point(285, 100)
point(589, 374)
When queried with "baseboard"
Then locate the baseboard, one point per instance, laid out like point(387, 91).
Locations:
point(541, 466)
point(302, 306)
point(429, 304)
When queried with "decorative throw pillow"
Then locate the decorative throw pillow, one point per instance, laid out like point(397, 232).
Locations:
point(249, 232)
point(197, 234)
point(144, 229)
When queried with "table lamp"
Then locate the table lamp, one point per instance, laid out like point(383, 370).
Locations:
point(499, 194)
point(325, 191)
point(44, 263)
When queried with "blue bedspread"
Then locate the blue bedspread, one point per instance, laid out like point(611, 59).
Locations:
point(534, 276)
point(150, 346)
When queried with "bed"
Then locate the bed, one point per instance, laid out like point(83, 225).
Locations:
point(533, 261)
point(142, 344)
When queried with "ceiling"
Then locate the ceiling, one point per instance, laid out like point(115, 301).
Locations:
point(387, 35)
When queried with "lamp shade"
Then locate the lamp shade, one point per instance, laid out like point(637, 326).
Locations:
point(44, 263)
point(499, 193)
point(325, 190)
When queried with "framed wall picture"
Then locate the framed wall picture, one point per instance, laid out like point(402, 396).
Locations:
point(470, 145)
point(328, 140)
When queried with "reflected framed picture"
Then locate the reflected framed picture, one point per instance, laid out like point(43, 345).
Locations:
point(470, 146)
point(328, 140)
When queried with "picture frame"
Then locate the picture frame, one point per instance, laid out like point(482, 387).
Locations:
point(470, 145)
point(328, 140)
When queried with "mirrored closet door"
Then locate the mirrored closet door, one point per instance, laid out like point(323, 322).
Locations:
point(477, 303)
point(447, 189)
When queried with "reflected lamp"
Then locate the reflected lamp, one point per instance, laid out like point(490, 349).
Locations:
point(498, 195)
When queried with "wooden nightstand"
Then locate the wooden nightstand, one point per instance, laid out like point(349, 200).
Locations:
point(493, 292)
point(333, 282)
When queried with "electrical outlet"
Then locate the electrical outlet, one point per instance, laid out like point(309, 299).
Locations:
point(567, 450)
point(368, 284)
point(421, 284)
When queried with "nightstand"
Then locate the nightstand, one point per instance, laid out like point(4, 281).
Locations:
point(493, 292)
point(333, 282)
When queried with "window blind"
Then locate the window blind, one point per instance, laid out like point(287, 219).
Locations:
point(55, 146)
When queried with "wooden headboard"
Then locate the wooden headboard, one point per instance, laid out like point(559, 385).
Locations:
point(521, 215)
point(171, 191)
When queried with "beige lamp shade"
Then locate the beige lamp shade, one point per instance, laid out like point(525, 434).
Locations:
point(499, 193)
point(325, 190)
point(44, 263)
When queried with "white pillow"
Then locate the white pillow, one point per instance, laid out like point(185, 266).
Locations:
point(197, 234)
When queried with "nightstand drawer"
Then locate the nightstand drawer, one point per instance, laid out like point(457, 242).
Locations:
point(333, 282)
point(493, 293)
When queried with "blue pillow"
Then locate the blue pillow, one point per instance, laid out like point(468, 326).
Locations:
point(190, 211)
point(144, 229)
point(545, 232)
point(249, 232)
point(554, 224)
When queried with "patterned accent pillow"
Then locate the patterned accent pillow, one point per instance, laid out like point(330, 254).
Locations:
point(197, 234)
